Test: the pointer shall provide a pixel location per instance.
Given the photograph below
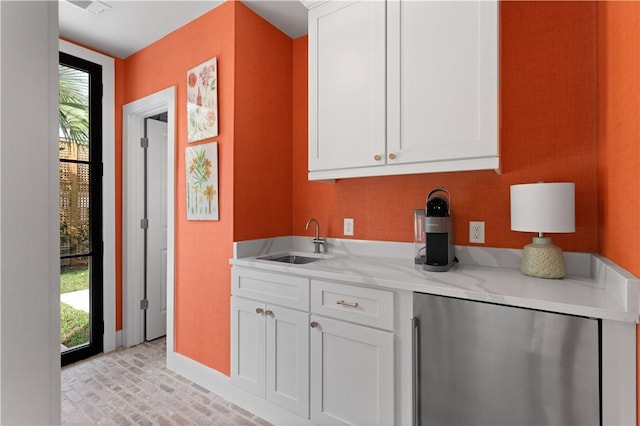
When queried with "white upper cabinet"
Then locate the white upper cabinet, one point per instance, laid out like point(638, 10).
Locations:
point(347, 85)
point(442, 81)
point(440, 91)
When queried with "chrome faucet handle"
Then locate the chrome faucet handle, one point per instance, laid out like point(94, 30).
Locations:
point(320, 243)
point(317, 244)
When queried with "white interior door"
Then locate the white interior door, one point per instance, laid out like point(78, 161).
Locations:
point(156, 314)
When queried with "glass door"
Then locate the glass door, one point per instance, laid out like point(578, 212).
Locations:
point(80, 148)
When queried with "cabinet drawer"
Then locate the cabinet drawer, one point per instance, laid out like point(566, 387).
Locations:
point(361, 305)
point(268, 287)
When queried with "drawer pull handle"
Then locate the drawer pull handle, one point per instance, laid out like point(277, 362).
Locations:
point(343, 303)
point(314, 324)
point(259, 310)
point(268, 313)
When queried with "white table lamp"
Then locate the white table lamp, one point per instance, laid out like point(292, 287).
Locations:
point(541, 208)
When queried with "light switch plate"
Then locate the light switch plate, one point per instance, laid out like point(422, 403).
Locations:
point(348, 226)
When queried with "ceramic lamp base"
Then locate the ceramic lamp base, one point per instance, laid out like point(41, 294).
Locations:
point(542, 259)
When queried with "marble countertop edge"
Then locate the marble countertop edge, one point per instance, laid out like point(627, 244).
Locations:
point(597, 288)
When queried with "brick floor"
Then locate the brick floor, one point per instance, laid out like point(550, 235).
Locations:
point(133, 386)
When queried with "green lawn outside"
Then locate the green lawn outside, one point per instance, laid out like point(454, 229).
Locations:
point(74, 323)
point(74, 326)
point(74, 279)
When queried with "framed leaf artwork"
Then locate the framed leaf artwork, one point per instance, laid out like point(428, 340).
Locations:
point(202, 101)
point(202, 181)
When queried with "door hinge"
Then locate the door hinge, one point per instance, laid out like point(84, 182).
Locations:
point(144, 223)
point(144, 304)
point(144, 142)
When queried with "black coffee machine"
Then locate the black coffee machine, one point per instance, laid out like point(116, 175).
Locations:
point(438, 228)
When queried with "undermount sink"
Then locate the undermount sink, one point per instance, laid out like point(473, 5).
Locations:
point(291, 258)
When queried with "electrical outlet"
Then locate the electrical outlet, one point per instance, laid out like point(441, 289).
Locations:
point(348, 226)
point(476, 232)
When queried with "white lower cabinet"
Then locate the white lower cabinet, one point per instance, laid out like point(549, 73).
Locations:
point(248, 345)
point(288, 359)
point(352, 363)
point(334, 365)
point(351, 374)
point(270, 353)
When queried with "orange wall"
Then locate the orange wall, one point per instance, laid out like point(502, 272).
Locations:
point(548, 114)
point(619, 138)
point(619, 133)
point(119, 102)
point(254, 158)
point(202, 248)
point(262, 178)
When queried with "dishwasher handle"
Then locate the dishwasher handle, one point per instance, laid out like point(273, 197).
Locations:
point(415, 341)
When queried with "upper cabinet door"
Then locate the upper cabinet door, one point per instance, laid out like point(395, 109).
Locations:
point(347, 85)
point(442, 81)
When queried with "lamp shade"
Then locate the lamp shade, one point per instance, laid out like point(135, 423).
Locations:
point(543, 207)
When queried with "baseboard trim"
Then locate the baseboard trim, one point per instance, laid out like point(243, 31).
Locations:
point(221, 385)
point(118, 338)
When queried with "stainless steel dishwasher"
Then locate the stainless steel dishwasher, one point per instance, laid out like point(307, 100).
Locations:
point(479, 363)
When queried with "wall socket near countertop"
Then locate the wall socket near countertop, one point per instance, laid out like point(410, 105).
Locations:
point(348, 226)
point(476, 232)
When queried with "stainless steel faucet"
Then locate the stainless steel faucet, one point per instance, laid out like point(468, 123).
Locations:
point(318, 241)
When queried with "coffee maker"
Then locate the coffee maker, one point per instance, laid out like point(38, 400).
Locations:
point(438, 229)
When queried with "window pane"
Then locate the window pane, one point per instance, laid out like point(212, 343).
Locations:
point(73, 118)
point(73, 151)
point(80, 112)
point(74, 208)
point(74, 302)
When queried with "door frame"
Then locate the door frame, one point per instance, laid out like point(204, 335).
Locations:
point(108, 187)
point(134, 115)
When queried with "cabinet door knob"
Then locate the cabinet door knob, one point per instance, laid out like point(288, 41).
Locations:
point(392, 156)
point(259, 310)
point(268, 313)
point(377, 157)
point(314, 324)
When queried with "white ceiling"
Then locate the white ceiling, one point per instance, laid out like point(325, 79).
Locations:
point(128, 26)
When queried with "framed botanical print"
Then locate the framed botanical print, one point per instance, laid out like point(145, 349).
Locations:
point(202, 101)
point(202, 181)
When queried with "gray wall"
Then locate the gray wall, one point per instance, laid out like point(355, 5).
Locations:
point(29, 263)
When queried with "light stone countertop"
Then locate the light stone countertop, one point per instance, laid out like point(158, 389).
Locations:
point(595, 287)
